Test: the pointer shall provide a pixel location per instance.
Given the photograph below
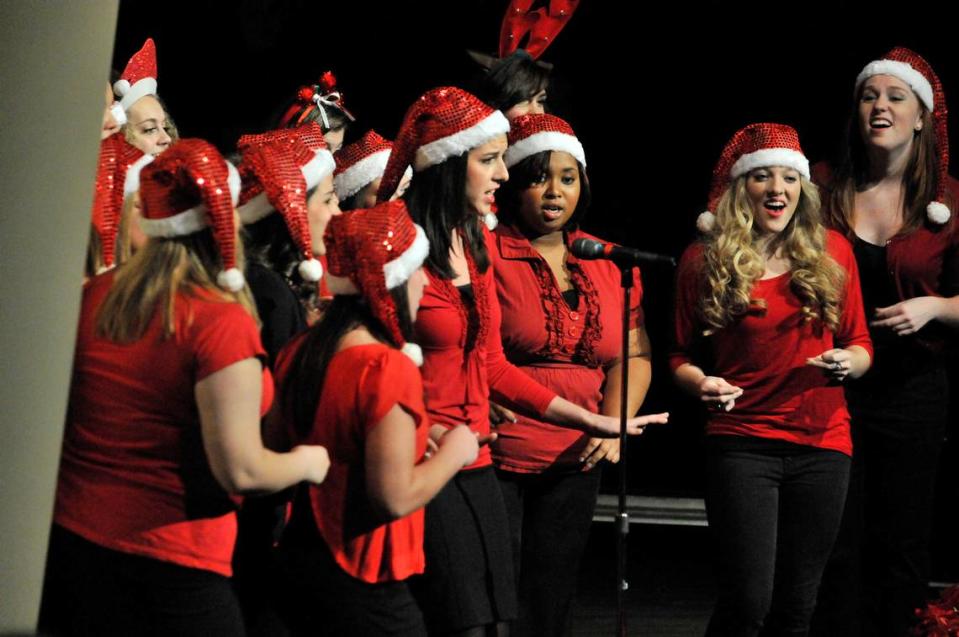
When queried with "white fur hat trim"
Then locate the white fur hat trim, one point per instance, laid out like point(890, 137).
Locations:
point(356, 177)
point(539, 142)
point(771, 157)
point(903, 71)
point(458, 143)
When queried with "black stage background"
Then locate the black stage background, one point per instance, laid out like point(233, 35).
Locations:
point(653, 91)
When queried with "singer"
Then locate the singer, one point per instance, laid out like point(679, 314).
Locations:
point(769, 322)
point(561, 325)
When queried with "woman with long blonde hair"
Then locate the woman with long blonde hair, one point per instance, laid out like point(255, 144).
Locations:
point(163, 425)
point(768, 324)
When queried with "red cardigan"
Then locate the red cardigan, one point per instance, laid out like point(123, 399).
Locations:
point(461, 372)
point(924, 262)
point(765, 353)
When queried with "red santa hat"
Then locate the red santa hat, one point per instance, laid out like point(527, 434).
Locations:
point(138, 79)
point(278, 169)
point(360, 163)
point(370, 252)
point(755, 146)
point(118, 176)
point(536, 133)
point(444, 122)
point(912, 69)
point(320, 97)
point(188, 188)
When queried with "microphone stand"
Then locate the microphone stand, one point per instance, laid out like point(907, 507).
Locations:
point(622, 517)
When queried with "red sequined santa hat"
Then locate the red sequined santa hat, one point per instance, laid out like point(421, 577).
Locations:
point(909, 67)
point(536, 133)
point(188, 188)
point(360, 163)
point(316, 97)
point(370, 252)
point(118, 176)
point(444, 122)
point(755, 146)
point(138, 79)
point(278, 169)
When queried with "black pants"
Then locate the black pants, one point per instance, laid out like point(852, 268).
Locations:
point(879, 569)
point(549, 515)
point(95, 591)
point(774, 510)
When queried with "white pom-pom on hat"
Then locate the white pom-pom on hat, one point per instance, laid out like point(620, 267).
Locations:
point(231, 279)
point(491, 221)
point(414, 352)
point(706, 221)
point(121, 87)
point(311, 270)
point(938, 212)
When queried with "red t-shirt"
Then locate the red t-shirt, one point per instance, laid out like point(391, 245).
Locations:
point(458, 381)
point(369, 381)
point(565, 350)
point(765, 354)
point(134, 476)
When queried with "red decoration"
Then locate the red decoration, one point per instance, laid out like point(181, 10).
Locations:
point(328, 82)
point(306, 94)
point(940, 618)
point(542, 25)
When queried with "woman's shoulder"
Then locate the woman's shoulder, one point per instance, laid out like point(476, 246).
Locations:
point(838, 246)
point(375, 355)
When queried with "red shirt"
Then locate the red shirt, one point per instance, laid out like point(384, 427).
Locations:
point(134, 476)
point(370, 379)
point(459, 381)
point(765, 354)
point(565, 350)
point(923, 262)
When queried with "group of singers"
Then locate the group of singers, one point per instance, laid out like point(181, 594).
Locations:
point(396, 339)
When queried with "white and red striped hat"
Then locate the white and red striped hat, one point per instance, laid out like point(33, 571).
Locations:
point(751, 147)
point(185, 190)
point(535, 133)
point(278, 169)
point(911, 68)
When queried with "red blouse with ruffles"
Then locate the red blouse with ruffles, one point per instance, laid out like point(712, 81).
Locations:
point(566, 350)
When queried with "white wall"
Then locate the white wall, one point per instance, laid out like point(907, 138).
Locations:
point(54, 60)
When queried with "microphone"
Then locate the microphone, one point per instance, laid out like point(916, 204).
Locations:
point(589, 249)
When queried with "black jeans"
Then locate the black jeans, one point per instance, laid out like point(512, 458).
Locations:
point(549, 516)
point(774, 510)
point(92, 590)
point(878, 572)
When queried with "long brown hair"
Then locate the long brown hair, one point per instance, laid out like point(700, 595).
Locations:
point(732, 262)
point(153, 277)
point(920, 180)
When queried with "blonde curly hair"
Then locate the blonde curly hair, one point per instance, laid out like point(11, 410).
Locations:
point(733, 262)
